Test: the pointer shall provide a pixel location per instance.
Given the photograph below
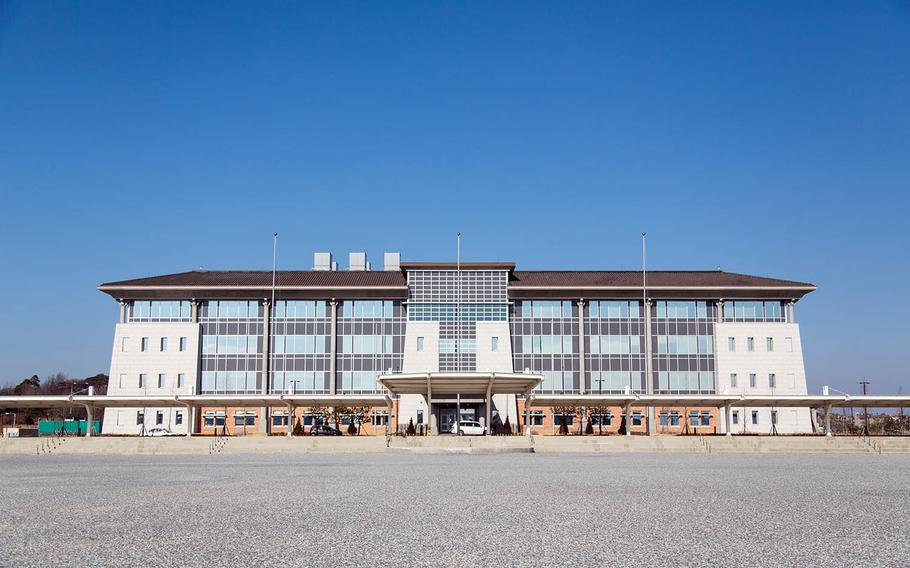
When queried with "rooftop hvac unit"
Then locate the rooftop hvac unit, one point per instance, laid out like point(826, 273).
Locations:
point(322, 261)
point(357, 261)
point(391, 261)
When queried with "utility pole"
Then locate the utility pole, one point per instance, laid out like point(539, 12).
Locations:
point(865, 383)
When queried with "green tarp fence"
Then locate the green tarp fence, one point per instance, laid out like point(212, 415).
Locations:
point(74, 427)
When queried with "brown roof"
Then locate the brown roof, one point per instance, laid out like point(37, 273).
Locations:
point(263, 279)
point(668, 284)
point(452, 265)
point(523, 284)
point(656, 279)
point(245, 284)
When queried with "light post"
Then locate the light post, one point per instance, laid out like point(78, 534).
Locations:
point(865, 383)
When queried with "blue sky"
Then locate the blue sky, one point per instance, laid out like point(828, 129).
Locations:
point(156, 137)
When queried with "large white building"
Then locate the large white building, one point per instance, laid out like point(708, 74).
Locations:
point(334, 333)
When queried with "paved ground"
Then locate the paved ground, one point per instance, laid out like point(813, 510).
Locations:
point(359, 510)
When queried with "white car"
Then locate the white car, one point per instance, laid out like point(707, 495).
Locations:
point(470, 428)
point(159, 431)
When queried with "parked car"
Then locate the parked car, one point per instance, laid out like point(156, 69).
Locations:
point(471, 428)
point(159, 431)
point(323, 430)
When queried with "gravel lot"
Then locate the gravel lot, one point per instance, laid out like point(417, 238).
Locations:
point(347, 510)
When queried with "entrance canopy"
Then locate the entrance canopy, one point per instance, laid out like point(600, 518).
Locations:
point(466, 384)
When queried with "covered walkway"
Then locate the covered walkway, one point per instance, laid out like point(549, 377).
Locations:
point(727, 402)
point(454, 384)
point(93, 402)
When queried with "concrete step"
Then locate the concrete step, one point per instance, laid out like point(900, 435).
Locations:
point(454, 444)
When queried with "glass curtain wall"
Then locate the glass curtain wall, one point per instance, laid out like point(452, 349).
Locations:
point(545, 340)
point(232, 346)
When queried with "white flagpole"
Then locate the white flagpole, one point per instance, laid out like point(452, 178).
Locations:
point(271, 369)
point(644, 268)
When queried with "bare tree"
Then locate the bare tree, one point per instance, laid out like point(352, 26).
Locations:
point(600, 412)
point(564, 411)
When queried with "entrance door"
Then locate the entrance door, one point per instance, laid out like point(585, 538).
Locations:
point(446, 420)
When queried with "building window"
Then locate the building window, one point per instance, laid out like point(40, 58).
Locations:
point(559, 418)
point(140, 417)
point(612, 310)
point(772, 380)
point(789, 342)
point(159, 311)
point(181, 380)
point(279, 420)
point(144, 344)
point(750, 344)
point(183, 344)
point(159, 418)
point(733, 380)
point(142, 378)
point(244, 420)
point(494, 344)
point(420, 342)
point(774, 417)
point(636, 419)
point(380, 418)
point(536, 418)
point(754, 417)
point(214, 420)
point(163, 344)
point(161, 380)
point(674, 419)
point(735, 417)
point(731, 344)
point(602, 419)
point(420, 416)
point(770, 344)
point(682, 310)
point(752, 382)
point(664, 419)
point(754, 311)
point(550, 309)
point(178, 418)
point(123, 343)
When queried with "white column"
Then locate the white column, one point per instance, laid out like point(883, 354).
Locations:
point(88, 421)
point(333, 349)
point(292, 420)
point(581, 360)
point(388, 423)
point(122, 311)
point(628, 413)
point(728, 418)
point(431, 426)
point(264, 425)
point(190, 419)
point(649, 371)
point(489, 411)
point(827, 420)
point(581, 344)
point(528, 399)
